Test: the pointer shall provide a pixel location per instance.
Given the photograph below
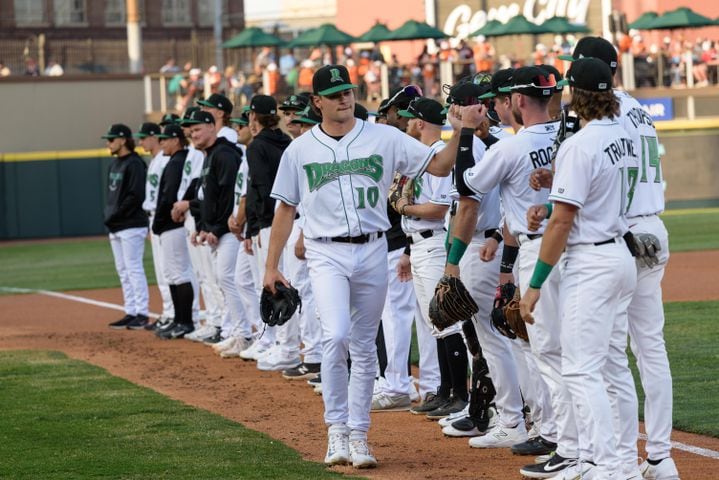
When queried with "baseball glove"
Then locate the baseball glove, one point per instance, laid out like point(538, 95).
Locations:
point(402, 187)
point(644, 248)
point(278, 308)
point(505, 314)
point(514, 318)
point(451, 303)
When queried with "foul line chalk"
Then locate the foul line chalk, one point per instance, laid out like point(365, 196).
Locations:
point(703, 452)
point(74, 298)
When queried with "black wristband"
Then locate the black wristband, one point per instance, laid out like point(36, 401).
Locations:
point(509, 256)
point(497, 236)
point(407, 250)
point(465, 161)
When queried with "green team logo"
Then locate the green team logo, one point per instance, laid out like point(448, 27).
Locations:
point(335, 75)
point(418, 187)
point(153, 180)
point(319, 174)
point(115, 181)
point(188, 167)
point(240, 180)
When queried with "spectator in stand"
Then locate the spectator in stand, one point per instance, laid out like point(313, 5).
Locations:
point(264, 58)
point(170, 66)
point(54, 69)
point(465, 60)
point(372, 81)
point(31, 68)
point(273, 79)
point(215, 78)
point(4, 70)
point(287, 63)
point(484, 55)
point(307, 70)
point(540, 54)
point(190, 88)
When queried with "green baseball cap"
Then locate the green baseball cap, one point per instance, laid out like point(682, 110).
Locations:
point(331, 79)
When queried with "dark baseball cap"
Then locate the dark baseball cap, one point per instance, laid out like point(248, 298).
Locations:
point(466, 93)
point(242, 119)
point(148, 129)
point(118, 130)
point(383, 107)
point(188, 113)
point(591, 74)
point(264, 105)
point(295, 103)
point(501, 79)
point(217, 100)
point(401, 96)
point(596, 47)
point(169, 118)
point(557, 75)
point(331, 79)
point(532, 81)
point(199, 116)
point(172, 130)
point(425, 109)
point(307, 116)
point(361, 112)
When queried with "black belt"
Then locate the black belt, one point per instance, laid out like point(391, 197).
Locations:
point(606, 242)
point(489, 233)
point(534, 236)
point(423, 234)
point(358, 239)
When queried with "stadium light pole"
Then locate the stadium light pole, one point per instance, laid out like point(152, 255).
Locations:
point(134, 37)
point(219, 62)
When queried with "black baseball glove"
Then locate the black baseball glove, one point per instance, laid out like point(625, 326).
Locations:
point(451, 303)
point(505, 314)
point(278, 308)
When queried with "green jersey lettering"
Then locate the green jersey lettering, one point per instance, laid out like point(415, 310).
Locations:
point(319, 174)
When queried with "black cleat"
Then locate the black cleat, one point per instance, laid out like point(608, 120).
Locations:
point(122, 323)
point(139, 323)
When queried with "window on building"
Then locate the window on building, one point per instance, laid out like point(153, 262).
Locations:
point(116, 13)
point(70, 12)
point(29, 12)
point(176, 12)
point(206, 13)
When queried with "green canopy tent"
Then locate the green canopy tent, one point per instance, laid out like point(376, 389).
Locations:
point(682, 17)
point(326, 34)
point(644, 21)
point(378, 33)
point(253, 37)
point(561, 25)
point(414, 30)
point(488, 30)
point(518, 25)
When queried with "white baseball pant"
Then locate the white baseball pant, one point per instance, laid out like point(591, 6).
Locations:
point(168, 308)
point(225, 257)
point(175, 257)
point(646, 331)
point(246, 288)
point(128, 247)
point(593, 281)
point(349, 282)
point(260, 245)
point(481, 279)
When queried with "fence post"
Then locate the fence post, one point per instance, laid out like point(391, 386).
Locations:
point(163, 94)
point(148, 94)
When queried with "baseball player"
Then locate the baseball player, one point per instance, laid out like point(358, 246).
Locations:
point(200, 255)
point(589, 197)
point(220, 107)
point(176, 265)
point(423, 223)
point(291, 109)
point(341, 172)
point(646, 311)
point(509, 164)
point(148, 140)
point(127, 223)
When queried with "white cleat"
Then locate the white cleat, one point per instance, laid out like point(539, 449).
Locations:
point(500, 437)
point(664, 470)
point(338, 450)
point(360, 454)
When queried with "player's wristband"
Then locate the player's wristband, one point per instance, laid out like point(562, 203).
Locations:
point(456, 251)
point(497, 236)
point(509, 256)
point(550, 209)
point(407, 250)
point(541, 272)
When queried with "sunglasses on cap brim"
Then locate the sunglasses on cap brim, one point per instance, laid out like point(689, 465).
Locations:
point(409, 90)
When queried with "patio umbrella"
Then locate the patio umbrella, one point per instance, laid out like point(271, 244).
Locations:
point(414, 30)
point(326, 34)
point(518, 25)
point(253, 37)
point(561, 25)
point(488, 29)
point(682, 17)
point(644, 21)
point(378, 33)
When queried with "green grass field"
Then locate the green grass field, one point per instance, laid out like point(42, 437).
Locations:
point(63, 419)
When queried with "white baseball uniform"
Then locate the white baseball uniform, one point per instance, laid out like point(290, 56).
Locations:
point(152, 184)
point(509, 164)
point(481, 278)
point(598, 276)
point(646, 310)
point(342, 185)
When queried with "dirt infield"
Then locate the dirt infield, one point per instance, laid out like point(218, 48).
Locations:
point(406, 446)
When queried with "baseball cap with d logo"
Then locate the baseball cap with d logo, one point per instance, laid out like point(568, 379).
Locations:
point(532, 81)
point(331, 79)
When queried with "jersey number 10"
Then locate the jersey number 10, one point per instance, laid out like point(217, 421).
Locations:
point(372, 196)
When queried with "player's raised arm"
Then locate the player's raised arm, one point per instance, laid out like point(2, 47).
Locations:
point(443, 161)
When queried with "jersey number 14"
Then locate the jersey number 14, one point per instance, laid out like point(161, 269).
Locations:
point(650, 154)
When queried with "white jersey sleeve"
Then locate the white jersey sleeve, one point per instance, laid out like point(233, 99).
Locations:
point(411, 156)
point(152, 183)
point(240, 185)
point(287, 182)
point(229, 133)
point(191, 170)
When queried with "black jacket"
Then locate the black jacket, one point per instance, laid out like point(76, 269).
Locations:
point(263, 160)
point(167, 194)
point(396, 238)
point(219, 174)
point(125, 193)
